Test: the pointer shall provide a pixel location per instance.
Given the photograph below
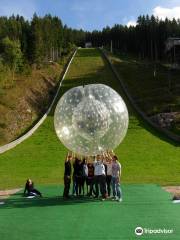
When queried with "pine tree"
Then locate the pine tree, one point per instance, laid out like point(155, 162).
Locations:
point(12, 54)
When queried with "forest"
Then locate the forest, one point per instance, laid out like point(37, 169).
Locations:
point(43, 39)
point(146, 40)
point(26, 43)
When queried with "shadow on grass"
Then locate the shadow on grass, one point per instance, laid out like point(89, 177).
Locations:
point(24, 202)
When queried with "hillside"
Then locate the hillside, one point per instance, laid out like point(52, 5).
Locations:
point(154, 88)
point(146, 157)
point(25, 100)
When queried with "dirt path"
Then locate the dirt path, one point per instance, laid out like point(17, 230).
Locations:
point(175, 190)
point(6, 193)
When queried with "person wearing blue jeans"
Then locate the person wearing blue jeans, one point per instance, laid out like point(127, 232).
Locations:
point(116, 173)
point(117, 193)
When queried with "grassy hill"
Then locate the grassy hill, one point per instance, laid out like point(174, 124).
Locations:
point(154, 87)
point(146, 157)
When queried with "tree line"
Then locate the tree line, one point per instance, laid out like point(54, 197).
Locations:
point(147, 39)
point(42, 39)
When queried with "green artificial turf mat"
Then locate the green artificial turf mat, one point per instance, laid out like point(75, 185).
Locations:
point(51, 217)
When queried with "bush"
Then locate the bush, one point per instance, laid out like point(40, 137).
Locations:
point(27, 70)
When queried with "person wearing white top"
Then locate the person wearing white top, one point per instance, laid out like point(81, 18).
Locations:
point(100, 177)
point(116, 173)
point(99, 168)
point(84, 175)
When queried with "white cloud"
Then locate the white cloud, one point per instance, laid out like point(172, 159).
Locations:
point(131, 23)
point(170, 13)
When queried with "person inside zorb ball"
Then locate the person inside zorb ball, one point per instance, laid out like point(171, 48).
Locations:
point(91, 119)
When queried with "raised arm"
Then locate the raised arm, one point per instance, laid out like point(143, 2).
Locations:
point(25, 189)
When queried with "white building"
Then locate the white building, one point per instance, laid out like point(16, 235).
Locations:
point(88, 44)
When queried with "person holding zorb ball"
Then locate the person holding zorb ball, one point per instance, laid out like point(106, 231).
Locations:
point(90, 120)
point(108, 163)
point(100, 177)
point(116, 173)
point(67, 175)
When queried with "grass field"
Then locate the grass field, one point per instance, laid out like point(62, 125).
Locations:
point(146, 157)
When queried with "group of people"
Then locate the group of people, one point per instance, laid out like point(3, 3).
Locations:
point(92, 176)
point(100, 174)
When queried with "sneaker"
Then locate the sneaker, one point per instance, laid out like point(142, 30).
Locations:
point(103, 199)
point(119, 199)
point(113, 198)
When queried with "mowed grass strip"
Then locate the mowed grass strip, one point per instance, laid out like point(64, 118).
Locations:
point(146, 157)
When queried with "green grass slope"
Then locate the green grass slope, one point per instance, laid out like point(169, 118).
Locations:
point(145, 156)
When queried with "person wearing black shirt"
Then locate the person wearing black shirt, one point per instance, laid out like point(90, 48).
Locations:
point(31, 191)
point(78, 171)
point(90, 179)
point(74, 188)
point(84, 175)
point(67, 176)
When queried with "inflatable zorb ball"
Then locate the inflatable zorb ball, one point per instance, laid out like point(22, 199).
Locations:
point(91, 119)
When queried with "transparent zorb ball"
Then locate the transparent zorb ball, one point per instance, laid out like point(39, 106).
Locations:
point(91, 119)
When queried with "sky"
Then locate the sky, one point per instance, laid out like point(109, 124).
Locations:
point(92, 14)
